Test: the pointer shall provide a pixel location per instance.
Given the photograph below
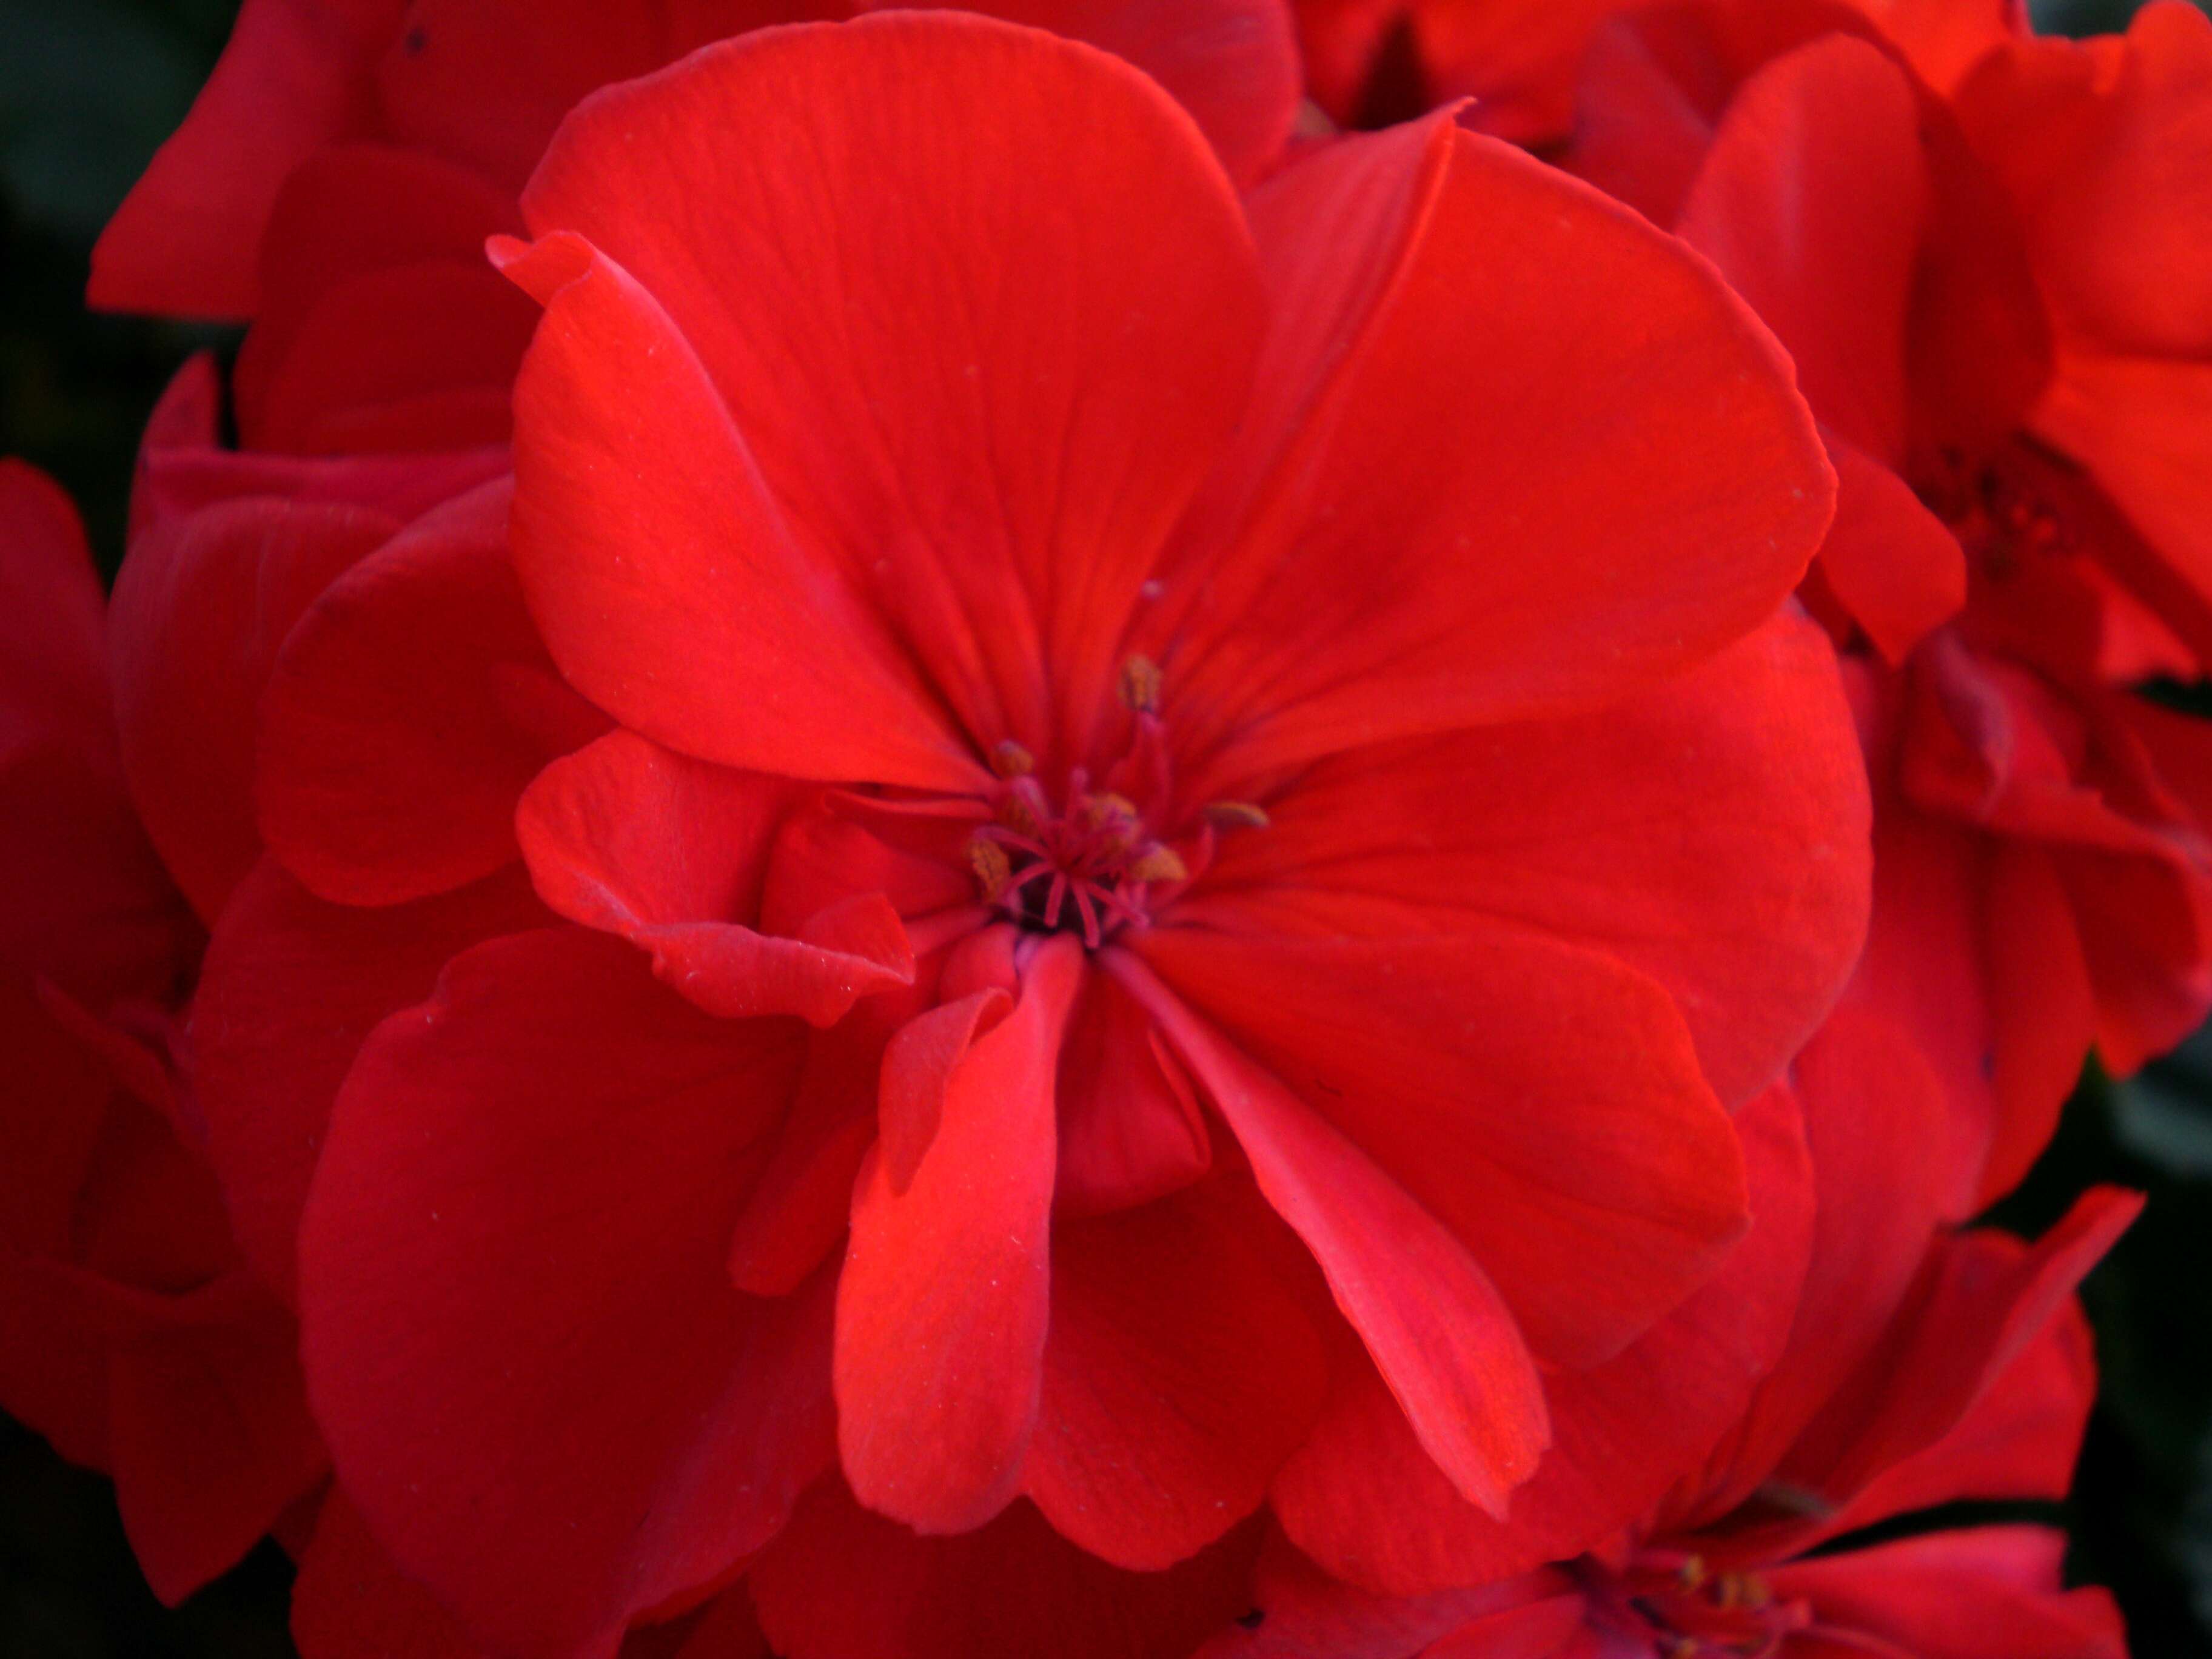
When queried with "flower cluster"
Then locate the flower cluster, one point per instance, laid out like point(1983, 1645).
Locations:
point(1115, 827)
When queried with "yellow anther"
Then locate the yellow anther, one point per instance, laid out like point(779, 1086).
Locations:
point(991, 867)
point(1011, 760)
point(1101, 810)
point(1756, 1591)
point(1016, 812)
point(1140, 685)
point(1693, 1572)
point(1160, 864)
point(1237, 814)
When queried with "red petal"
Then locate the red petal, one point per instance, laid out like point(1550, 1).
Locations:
point(847, 845)
point(1891, 562)
point(1538, 1103)
point(728, 1630)
point(416, 677)
point(55, 1386)
point(1233, 63)
point(350, 1602)
point(86, 905)
point(1981, 329)
point(1557, 1628)
point(1516, 61)
point(1464, 338)
point(1945, 38)
point(52, 619)
point(415, 356)
point(49, 1135)
point(1654, 87)
point(671, 854)
point(713, 614)
point(203, 605)
point(2138, 424)
point(2019, 1439)
point(1922, 971)
point(184, 241)
point(183, 465)
point(83, 901)
point(209, 1436)
point(1130, 1129)
point(1052, 448)
point(361, 206)
point(525, 1195)
point(290, 989)
point(1981, 1302)
point(797, 1212)
point(1179, 1370)
point(376, 305)
point(1712, 834)
point(1435, 1325)
point(1811, 202)
point(1865, 1093)
point(1363, 1501)
point(2100, 144)
point(920, 1066)
point(2042, 1008)
point(486, 81)
point(1961, 1594)
point(841, 1584)
point(1304, 1614)
point(2014, 755)
point(942, 1306)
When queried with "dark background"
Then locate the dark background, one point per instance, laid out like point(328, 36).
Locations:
point(88, 89)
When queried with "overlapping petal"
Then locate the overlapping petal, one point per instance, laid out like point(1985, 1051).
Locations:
point(1014, 1589)
point(1710, 835)
point(526, 1192)
point(1360, 1498)
point(1182, 1365)
point(1956, 1595)
point(203, 606)
point(266, 1071)
point(943, 1299)
point(1495, 409)
point(416, 677)
point(845, 421)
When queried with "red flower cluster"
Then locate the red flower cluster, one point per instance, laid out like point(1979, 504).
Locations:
point(940, 847)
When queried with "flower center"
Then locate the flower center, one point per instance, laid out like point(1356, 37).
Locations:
point(2001, 509)
point(1095, 859)
point(1086, 862)
point(1688, 1611)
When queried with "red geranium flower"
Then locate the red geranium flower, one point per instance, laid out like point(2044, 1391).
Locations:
point(2010, 420)
point(137, 1341)
point(1125, 739)
point(1923, 1368)
point(338, 174)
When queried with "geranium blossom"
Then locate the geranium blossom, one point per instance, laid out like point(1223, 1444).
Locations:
point(2042, 885)
point(1108, 686)
point(896, 842)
